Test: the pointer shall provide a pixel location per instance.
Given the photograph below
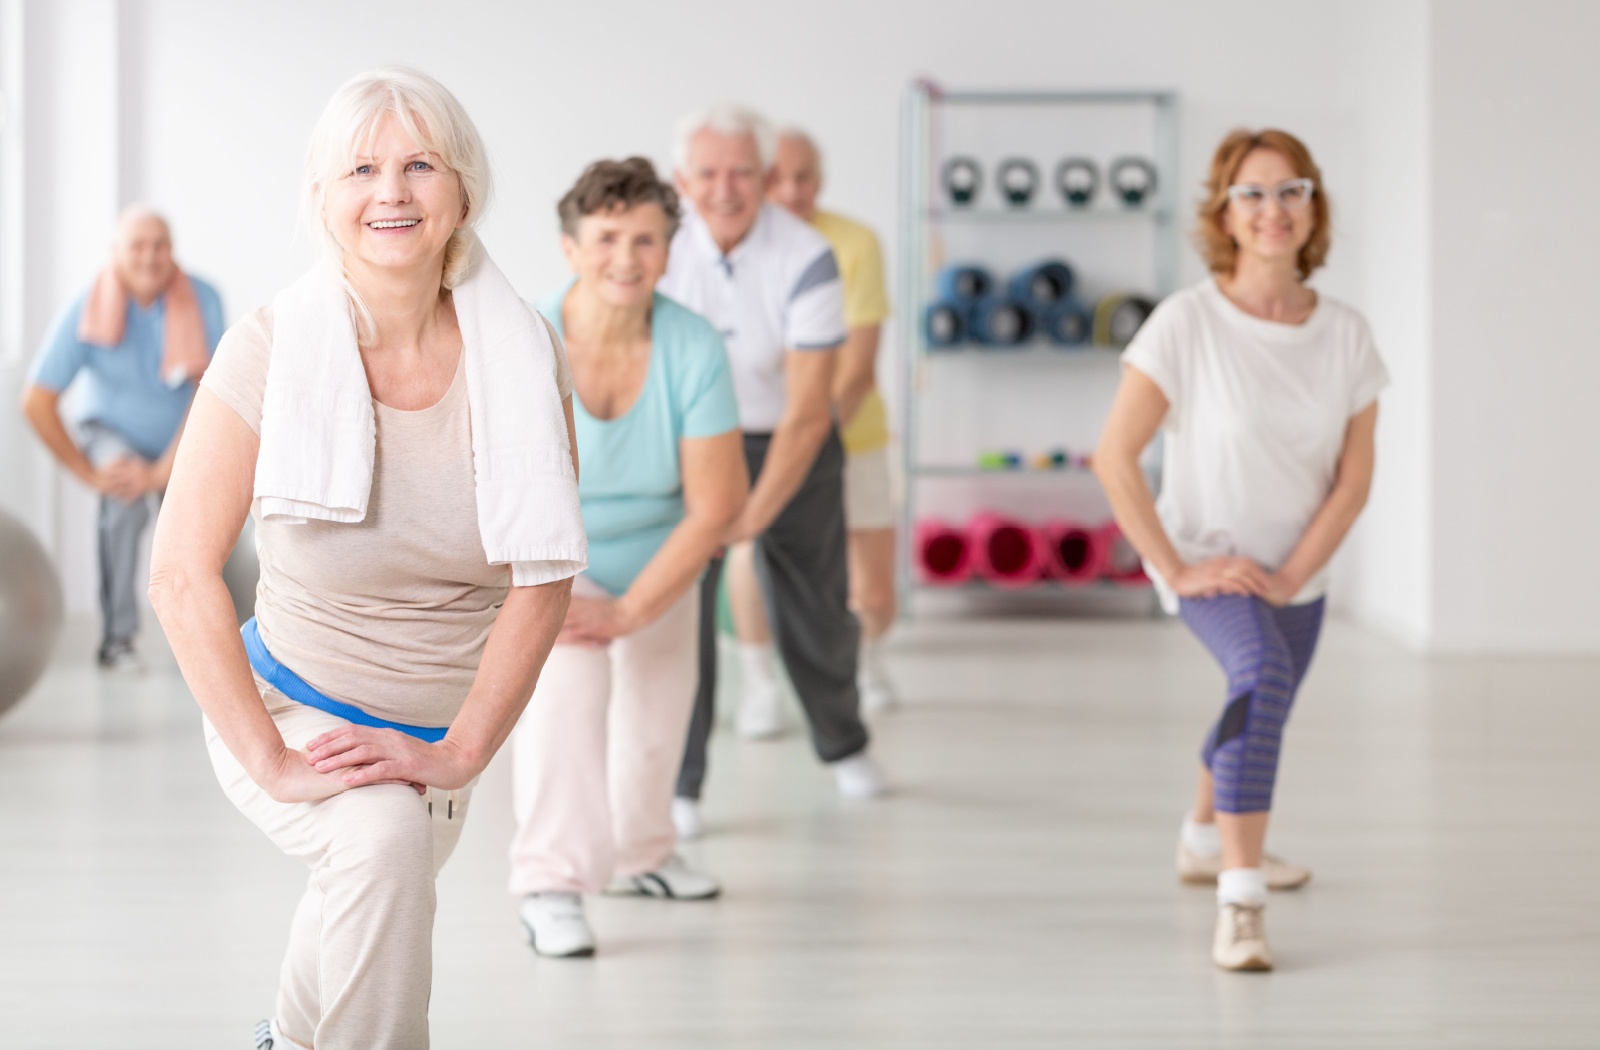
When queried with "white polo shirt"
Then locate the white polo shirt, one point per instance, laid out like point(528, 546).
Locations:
point(778, 290)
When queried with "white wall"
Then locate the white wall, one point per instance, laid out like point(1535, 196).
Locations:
point(1384, 576)
point(208, 115)
point(1516, 225)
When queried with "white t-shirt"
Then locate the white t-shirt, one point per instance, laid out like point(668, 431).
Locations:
point(1257, 420)
point(778, 290)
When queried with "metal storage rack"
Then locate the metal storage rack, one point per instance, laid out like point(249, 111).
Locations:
point(927, 218)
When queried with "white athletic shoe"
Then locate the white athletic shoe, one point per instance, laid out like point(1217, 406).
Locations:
point(1241, 938)
point(760, 710)
point(686, 818)
point(556, 926)
point(878, 693)
point(674, 881)
point(858, 777)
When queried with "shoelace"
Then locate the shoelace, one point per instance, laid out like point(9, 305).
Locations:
point(1247, 923)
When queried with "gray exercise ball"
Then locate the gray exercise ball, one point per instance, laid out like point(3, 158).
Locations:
point(30, 611)
point(242, 572)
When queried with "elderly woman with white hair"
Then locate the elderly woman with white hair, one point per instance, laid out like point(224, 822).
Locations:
point(398, 423)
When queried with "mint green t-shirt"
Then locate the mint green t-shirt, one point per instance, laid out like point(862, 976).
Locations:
point(630, 480)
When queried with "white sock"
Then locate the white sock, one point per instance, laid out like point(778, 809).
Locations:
point(1202, 840)
point(758, 664)
point(1242, 886)
point(870, 663)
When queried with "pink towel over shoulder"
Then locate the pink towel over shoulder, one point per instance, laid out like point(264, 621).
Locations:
point(184, 353)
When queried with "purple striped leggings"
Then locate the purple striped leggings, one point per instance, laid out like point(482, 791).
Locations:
point(1265, 651)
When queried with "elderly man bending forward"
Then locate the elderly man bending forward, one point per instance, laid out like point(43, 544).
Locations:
point(140, 337)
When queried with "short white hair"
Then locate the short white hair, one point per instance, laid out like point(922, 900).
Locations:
point(433, 118)
point(136, 212)
point(724, 118)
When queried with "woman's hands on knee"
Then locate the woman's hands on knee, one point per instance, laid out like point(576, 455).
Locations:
point(1234, 575)
point(292, 777)
point(360, 756)
point(1225, 575)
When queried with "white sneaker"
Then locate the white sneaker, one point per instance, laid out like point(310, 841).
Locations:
point(858, 777)
point(674, 881)
point(760, 710)
point(1241, 938)
point(556, 926)
point(686, 818)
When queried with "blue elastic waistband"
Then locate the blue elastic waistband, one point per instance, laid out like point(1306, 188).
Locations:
point(300, 691)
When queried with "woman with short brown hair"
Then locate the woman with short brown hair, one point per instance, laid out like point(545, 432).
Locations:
point(1267, 393)
point(597, 751)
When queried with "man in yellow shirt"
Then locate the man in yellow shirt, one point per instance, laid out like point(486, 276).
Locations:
point(794, 182)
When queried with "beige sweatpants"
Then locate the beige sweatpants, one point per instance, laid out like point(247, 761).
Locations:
point(595, 755)
point(359, 968)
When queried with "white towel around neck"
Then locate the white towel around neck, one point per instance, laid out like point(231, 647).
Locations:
point(319, 429)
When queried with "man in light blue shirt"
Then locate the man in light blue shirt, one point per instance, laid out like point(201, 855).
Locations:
point(139, 340)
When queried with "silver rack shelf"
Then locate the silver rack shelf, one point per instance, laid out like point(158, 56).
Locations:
point(992, 227)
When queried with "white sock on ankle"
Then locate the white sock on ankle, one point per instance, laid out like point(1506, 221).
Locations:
point(757, 662)
point(1242, 886)
point(1202, 840)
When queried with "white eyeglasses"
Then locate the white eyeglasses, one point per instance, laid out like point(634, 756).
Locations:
point(1292, 194)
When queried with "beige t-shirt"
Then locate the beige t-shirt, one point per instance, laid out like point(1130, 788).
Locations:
point(389, 614)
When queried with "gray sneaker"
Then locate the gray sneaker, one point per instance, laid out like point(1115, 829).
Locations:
point(120, 658)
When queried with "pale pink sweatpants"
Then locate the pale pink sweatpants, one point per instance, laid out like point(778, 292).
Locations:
point(595, 756)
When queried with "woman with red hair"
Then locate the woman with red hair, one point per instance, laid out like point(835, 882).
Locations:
point(1267, 393)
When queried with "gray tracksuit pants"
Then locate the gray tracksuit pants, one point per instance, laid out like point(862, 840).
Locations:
point(802, 564)
point(121, 526)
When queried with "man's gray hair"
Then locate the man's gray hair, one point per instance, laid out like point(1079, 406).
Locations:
point(725, 118)
point(799, 134)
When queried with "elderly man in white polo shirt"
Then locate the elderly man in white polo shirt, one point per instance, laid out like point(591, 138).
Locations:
point(770, 284)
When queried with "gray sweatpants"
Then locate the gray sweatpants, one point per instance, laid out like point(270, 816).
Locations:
point(802, 565)
point(121, 526)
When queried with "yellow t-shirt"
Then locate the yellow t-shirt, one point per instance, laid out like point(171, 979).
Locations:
point(865, 302)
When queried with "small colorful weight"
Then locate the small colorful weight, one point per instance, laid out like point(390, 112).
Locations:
point(999, 460)
point(1134, 180)
point(1017, 178)
point(1078, 179)
point(962, 179)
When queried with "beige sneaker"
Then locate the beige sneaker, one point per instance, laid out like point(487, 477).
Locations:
point(1281, 874)
point(1241, 940)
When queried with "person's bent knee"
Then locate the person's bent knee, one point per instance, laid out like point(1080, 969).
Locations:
point(385, 835)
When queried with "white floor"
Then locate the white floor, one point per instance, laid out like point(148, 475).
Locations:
point(1017, 891)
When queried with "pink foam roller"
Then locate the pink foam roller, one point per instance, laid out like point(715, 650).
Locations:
point(943, 553)
point(1074, 553)
point(1122, 564)
point(1005, 552)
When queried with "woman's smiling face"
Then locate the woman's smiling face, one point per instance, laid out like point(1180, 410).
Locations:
point(397, 206)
